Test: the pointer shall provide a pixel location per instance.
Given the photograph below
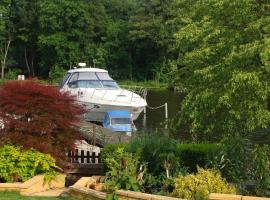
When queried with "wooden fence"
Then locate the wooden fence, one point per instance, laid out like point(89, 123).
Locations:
point(84, 157)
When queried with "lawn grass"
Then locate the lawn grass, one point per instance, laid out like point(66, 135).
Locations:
point(17, 196)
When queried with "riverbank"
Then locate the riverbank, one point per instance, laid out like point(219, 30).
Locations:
point(146, 84)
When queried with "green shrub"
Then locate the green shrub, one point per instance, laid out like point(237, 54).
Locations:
point(261, 171)
point(199, 186)
point(235, 159)
point(56, 74)
point(193, 155)
point(124, 171)
point(12, 74)
point(154, 149)
point(109, 151)
point(19, 165)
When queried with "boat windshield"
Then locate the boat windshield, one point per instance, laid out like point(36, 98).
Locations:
point(65, 79)
point(92, 80)
point(109, 84)
point(88, 84)
point(115, 121)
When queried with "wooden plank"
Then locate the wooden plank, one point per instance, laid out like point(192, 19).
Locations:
point(87, 169)
point(88, 157)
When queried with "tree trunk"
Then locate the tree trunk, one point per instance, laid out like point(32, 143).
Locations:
point(26, 61)
point(4, 58)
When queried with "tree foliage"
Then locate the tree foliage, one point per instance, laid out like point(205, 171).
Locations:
point(217, 51)
point(130, 38)
point(38, 116)
point(223, 63)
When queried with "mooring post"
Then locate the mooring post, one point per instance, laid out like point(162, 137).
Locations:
point(166, 115)
point(166, 111)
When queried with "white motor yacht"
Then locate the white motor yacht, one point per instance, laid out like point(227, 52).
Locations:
point(96, 90)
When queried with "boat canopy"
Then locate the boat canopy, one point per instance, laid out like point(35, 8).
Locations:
point(118, 114)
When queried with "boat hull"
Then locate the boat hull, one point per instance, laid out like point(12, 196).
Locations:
point(96, 112)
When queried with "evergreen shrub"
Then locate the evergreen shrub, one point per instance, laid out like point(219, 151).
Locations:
point(19, 165)
point(153, 150)
point(193, 155)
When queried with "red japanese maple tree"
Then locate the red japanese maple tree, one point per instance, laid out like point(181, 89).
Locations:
point(39, 116)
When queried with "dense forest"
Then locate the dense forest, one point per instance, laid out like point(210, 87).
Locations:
point(130, 38)
point(217, 51)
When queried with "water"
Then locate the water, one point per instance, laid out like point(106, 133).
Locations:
point(153, 118)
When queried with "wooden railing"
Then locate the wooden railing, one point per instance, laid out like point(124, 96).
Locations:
point(84, 157)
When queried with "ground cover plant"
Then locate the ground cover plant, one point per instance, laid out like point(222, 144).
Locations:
point(39, 116)
point(20, 165)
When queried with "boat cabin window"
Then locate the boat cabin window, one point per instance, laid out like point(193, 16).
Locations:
point(104, 76)
point(87, 76)
point(115, 121)
point(92, 80)
point(109, 84)
point(74, 77)
point(88, 84)
point(65, 79)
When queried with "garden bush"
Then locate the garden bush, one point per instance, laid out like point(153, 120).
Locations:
point(193, 155)
point(235, 159)
point(185, 155)
point(110, 150)
point(165, 159)
point(261, 170)
point(124, 171)
point(153, 150)
point(19, 165)
point(199, 186)
point(39, 116)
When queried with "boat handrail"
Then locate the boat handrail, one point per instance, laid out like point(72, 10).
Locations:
point(142, 92)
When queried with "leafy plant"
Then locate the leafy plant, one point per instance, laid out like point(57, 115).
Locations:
point(235, 159)
point(199, 186)
point(155, 150)
point(125, 171)
point(56, 74)
point(19, 165)
point(197, 154)
point(34, 112)
point(152, 148)
point(261, 172)
point(12, 74)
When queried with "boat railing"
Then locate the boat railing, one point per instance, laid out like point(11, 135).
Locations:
point(142, 92)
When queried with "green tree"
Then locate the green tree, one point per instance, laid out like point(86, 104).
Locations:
point(117, 43)
point(223, 61)
point(5, 33)
point(70, 32)
point(153, 24)
point(26, 31)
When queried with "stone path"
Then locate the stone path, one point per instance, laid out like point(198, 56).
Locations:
point(53, 193)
